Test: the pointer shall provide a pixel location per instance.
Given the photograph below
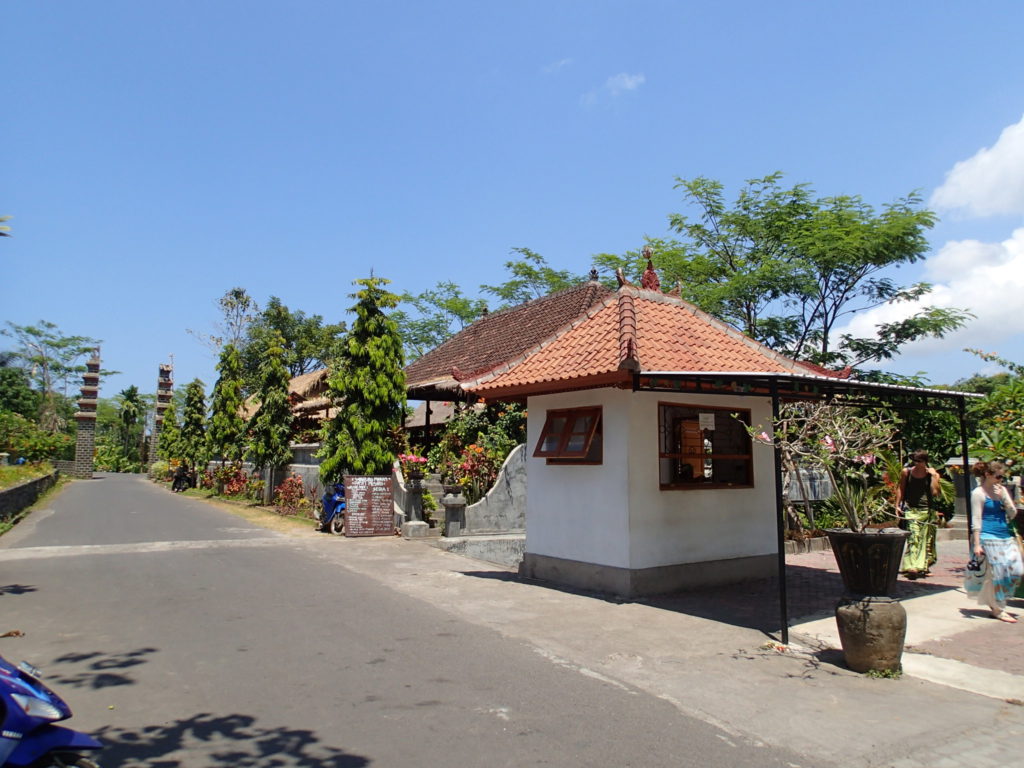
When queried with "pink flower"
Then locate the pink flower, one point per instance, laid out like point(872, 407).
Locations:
point(867, 458)
point(765, 437)
point(829, 443)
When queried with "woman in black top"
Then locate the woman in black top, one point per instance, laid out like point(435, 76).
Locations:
point(918, 487)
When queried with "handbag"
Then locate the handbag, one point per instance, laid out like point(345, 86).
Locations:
point(974, 575)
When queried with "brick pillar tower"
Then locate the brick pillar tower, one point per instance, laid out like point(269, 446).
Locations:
point(86, 417)
point(164, 385)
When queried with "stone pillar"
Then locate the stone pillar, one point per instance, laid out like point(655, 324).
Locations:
point(164, 387)
point(415, 527)
point(454, 513)
point(86, 417)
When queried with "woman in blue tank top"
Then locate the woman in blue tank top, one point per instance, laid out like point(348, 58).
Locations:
point(992, 509)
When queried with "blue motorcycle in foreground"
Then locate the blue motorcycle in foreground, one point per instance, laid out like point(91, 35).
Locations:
point(332, 513)
point(28, 734)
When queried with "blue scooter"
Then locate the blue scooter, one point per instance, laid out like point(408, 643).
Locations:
point(28, 735)
point(332, 514)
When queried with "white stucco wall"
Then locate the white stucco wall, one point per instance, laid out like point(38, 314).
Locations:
point(580, 512)
point(615, 514)
point(696, 525)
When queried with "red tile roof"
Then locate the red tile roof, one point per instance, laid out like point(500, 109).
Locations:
point(495, 339)
point(633, 330)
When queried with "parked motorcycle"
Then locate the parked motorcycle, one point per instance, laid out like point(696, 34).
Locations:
point(28, 734)
point(332, 512)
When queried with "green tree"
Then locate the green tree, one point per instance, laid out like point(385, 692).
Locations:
point(167, 445)
point(52, 360)
point(1000, 415)
point(531, 278)
point(22, 438)
point(131, 425)
point(16, 395)
point(237, 309)
point(307, 343)
point(788, 268)
point(270, 427)
point(191, 443)
point(226, 432)
point(440, 313)
point(367, 388)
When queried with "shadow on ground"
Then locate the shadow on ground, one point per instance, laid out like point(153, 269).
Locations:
point(218, 742)
point(811, 593)
point(101, 670)
point(17, 589)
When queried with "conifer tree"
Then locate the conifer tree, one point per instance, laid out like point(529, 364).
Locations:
point(270, 427)
point(367, 388)
point(192, 441)
point(170, 434)
point(226, 434)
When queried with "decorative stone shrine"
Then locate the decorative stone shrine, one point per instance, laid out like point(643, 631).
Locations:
point(164, 387)
point(86, 417)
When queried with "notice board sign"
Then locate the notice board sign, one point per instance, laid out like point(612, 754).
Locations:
point(369, 505)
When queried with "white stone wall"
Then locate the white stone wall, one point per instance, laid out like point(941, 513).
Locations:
point(615, 514)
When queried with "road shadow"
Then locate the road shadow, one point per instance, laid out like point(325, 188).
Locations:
point(218, 742)
point(811, 593)
point(101, 670)
point(18, 589)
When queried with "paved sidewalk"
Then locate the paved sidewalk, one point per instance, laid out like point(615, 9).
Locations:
point(714, 656)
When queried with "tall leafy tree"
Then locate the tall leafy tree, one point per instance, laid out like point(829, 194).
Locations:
point(788, 268)
point(191, 442)
point(531, 278)
point(131, 422)
point(237, 309)
point(16, 395)
point(438, 313)
point(271, 425)
point(226, 431)
point(52, 360)
point(307, 342)
point(367, 388)
point(167, 446)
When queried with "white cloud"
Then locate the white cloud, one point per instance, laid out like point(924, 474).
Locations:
point(557, 65)
point(991, 182)
point(613, 87)
point(617, 84)
point(987, 279)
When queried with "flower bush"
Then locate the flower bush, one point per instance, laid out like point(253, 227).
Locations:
point(290, 496)
point(410, 462)
point(231, 479)
point(24, 439)
point(254, 487)
point(846, 443)
point(475, 444)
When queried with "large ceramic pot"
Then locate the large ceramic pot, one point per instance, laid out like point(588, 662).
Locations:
point(872, 631)
point(869, 561)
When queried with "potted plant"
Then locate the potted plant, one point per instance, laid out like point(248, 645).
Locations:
point(847, 444)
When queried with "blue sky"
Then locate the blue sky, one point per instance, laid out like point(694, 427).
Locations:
point(157, 155)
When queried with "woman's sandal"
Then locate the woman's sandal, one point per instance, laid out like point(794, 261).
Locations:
point(1004, 616)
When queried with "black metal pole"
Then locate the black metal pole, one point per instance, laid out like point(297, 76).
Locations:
point(961, 412)
point(779, 521)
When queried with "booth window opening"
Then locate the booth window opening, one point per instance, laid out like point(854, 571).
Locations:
point(571, 436)
point(704, 447)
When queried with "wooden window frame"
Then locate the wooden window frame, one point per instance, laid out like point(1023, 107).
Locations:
point(747, 458)
point(591, 451)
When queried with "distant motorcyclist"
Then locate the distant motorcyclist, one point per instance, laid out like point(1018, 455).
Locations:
point(181, 480)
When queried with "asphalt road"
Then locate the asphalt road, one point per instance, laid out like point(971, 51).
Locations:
point(184, 636)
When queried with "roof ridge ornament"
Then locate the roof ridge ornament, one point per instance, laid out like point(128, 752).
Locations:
point(649, 281)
